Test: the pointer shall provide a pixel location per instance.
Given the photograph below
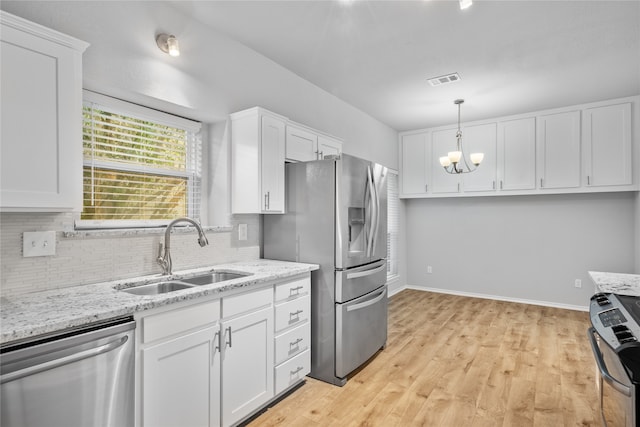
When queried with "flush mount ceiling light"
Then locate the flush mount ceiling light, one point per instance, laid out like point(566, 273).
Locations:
point(465, 4)
point(168, 43)
point(455, 162)
point(447, 78)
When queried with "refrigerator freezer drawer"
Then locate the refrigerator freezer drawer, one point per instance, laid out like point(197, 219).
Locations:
point(359, 281)
point(361, 330)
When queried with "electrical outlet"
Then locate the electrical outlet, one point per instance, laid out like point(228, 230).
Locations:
point(578, 283)
point(429, 269)
point(242, 231)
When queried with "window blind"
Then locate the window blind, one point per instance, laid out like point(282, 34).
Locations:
point(393, 224)
point(141, 166)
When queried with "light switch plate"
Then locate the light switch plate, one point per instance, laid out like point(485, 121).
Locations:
point(242, 231)
point(38, 243)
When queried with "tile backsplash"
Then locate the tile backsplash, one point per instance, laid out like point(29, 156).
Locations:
point(85, 258)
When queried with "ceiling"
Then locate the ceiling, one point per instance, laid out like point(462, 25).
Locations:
point(512, 56)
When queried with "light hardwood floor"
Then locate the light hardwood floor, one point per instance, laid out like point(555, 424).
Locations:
point(459, 361)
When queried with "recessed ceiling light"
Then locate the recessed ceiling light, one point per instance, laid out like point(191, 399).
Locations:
point(447, 78)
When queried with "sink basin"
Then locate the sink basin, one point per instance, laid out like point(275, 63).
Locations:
point(218, 276)
point(157, 288)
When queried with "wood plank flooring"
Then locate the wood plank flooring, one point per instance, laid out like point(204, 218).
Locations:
point(460, 361)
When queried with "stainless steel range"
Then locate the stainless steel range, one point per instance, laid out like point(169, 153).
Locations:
point(614, 336)
point(337, 217)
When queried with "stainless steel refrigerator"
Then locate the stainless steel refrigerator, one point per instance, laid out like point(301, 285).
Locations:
point(336, 216)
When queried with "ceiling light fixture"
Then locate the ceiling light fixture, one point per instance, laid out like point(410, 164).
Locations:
point(455, 162)
point(465, 4)
point(168, 44)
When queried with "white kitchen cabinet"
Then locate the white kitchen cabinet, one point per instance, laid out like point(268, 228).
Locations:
point(305, 144)
point(415, 155)
point(442, 142)
point(517, 154)
point(182, 381)
point(41, 121)
point(292, 333)
point(328, 146)
point(257, 156)
point(180, 360)
point(607, 145)
point(558, 140)
point(480, 138)
point(301, 144)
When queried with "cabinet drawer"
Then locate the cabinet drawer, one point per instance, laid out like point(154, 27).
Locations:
point(249, 301)
point(293, 289)
point(173, 322)
point(292, 371)
point(292, 342)
point(292, 313)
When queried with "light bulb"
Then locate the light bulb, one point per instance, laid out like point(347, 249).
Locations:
point(476, 158)
point(454, 156)
point(172, 46)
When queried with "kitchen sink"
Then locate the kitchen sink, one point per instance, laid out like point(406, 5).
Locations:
point(215, 277)
point(158, 288)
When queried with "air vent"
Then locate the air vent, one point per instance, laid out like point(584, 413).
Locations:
point(441, 80)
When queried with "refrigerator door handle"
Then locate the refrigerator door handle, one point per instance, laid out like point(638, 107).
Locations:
point(366, 303)
point(376, 213)
point(366, 272)
point(369, 197)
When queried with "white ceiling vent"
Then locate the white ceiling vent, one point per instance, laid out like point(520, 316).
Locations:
point(441, 80)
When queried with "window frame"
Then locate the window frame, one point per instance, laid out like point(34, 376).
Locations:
point(194, 177)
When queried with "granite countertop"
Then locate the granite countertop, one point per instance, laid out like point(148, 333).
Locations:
point(38, 313)
point(617, 283)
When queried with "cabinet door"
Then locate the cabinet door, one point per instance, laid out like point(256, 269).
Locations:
point(41, 140)
point(272, 164)
point(607, 145)
point(517, 154)
point(328, 147)
point(480, 139)
point(301, 145)
point(247, 364)
point(181, 381)
point(443, 141)
point(559, 144)
point(415, 157)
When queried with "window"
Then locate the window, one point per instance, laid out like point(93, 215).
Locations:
point(142, 167)
point(393, 218)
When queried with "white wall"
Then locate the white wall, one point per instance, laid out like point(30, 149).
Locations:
point(637, 214)
point(521, 247)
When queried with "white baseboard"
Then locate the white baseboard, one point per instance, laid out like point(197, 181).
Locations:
point(493, 297)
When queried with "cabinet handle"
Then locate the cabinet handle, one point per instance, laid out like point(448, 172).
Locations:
point(295, 314)
point(216, 342)
point(458, 187)
point(229, 331)
point(298, 369)
point(267, 200)
point(321, 155)
point(541, 183)
point(501, 184)
point(295, 291)
point(588, 180)
point(426, 188)
point(494, 185)
point(295, 343)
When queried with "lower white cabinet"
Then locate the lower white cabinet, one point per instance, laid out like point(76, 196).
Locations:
point(217, 362)
point(247, 363)
point(181, 379)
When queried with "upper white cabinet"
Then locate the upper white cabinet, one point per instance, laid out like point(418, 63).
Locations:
point(559, 150)
point(257, 157)
point(415, 155)
point(480, 139)
point(585, 148)
point(517, 154)
point(304, 144)
point(328, 146)
point(41, 121)
point(607, 145)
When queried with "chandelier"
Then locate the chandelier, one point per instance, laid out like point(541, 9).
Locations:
point(455, 162)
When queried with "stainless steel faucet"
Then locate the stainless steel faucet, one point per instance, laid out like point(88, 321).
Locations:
point(164, 258)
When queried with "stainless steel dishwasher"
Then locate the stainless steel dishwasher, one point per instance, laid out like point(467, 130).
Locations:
point(82, 377)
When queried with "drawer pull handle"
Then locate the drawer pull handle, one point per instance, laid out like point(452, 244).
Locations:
point(295, 343)
point(295, 291)
point(298, 369)
point(295, 313)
